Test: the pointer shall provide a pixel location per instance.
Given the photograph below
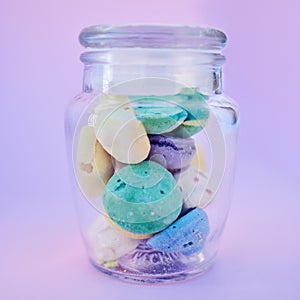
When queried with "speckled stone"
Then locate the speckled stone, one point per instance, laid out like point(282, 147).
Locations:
point(142, 198)
point(193, 183)
point(187, 235)
point(160, 119)
point(190, 100)
point(198, 112)
point(171, 152)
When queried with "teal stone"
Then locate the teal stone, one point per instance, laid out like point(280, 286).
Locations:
point(191, 101)
point(197, 108)
point(194, 123)
point(189, 94)
point(142, 198)
point(160, 119)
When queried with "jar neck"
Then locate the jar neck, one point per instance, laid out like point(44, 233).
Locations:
point(104, 72)
point(172, 55)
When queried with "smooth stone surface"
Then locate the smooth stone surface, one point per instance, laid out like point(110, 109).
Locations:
point(142, 198)
point(93, 164)
point(193, 185)
point(118, 131)
point(160, 119)
point(171, 152)
point(187, 235)
point(106, 243)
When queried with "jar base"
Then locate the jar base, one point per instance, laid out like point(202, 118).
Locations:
point(147, 266)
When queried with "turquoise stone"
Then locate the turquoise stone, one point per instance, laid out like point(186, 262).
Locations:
point(194, 103)
point(191, 101)
point(160, 119)
point(142, 198)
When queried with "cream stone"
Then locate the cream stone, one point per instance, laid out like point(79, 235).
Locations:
point(119, 132)
point(94, 165)
point(193, 184)
point(108, 244)
point(132, 235)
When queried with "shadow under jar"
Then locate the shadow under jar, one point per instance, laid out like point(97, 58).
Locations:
point(151, 144)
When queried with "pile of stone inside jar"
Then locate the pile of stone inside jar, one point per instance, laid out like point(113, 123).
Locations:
point(139, 160)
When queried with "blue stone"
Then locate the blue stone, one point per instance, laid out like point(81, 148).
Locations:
point(187, 235)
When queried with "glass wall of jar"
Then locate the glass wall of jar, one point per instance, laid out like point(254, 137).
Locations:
point(151, 144)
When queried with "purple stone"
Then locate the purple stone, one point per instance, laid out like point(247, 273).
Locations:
point(173, 153)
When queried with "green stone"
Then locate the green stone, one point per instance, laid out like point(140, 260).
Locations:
point(142, 198)
point(189, 100)
point(160, 119)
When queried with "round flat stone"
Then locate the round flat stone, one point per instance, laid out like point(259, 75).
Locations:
point(142, 198)
point(187, 235)
point(160, 119)
point(171, 152)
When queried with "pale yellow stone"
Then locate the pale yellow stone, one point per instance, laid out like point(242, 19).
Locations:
point(119, 132)
point(137, 236)
point(111, 264)
point(194, 123)
point(111, 99)
point(198, 159)
point(94, 165)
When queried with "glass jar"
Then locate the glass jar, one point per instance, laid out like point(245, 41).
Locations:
point(151, 144)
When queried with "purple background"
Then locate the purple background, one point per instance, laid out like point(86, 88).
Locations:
point(41, 253)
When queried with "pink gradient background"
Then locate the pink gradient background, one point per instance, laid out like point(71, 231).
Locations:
point(41, 253)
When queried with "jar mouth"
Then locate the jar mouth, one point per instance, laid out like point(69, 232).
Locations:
point(153, 36)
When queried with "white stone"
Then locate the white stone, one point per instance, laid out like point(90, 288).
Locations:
point(193, 184)
point(106, 243)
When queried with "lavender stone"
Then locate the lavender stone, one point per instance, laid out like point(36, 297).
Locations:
point(173, 153)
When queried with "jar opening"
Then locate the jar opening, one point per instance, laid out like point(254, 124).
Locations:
point(153, 36)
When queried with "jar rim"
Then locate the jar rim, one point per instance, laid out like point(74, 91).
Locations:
point(153, 36)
